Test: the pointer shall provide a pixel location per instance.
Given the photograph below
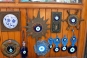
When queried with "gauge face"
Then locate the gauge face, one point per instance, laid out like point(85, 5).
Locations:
point(10, 21)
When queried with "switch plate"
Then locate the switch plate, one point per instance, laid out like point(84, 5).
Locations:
point(56, 22)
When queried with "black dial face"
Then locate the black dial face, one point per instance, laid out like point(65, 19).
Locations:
point(37, 28)
point(10, 49)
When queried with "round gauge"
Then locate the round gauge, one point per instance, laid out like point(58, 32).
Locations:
point(10, 21)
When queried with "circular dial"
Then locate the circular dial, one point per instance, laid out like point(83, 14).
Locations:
point(10, 21)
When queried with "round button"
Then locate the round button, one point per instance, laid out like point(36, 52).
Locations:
point(10, 21)
point(41, 48)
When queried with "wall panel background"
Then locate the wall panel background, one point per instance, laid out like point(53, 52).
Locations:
point(46, 13)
